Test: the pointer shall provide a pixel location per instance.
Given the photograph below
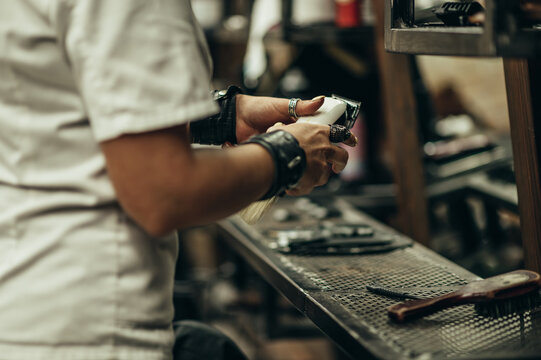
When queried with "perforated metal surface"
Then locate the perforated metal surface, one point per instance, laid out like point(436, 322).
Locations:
point(339, 283)
point(457, 332)
point(452, 333)
point(396, 269)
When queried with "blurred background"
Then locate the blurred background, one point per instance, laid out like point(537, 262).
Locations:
point(306, 48)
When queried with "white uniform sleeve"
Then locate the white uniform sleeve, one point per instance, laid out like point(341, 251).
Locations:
point(140, 65)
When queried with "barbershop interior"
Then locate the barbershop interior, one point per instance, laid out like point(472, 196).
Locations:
point(361, 179)
point(441, 191)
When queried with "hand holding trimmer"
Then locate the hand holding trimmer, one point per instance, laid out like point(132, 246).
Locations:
point(335, 110)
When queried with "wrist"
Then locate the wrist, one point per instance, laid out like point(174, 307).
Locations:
point(288, 157)
point(220, 128)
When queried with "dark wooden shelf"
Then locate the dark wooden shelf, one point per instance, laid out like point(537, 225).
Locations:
point(327, 33)
point(500, 36)
point(499, 193)
point(321, 34)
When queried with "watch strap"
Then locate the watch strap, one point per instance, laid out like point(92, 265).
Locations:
point(219, 128)
point(289, 159)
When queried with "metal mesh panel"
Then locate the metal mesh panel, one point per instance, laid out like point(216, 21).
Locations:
point(456, 332)
point(459, 332)
point(396, 269)
point(453, 333)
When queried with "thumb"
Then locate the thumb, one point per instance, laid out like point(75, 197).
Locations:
point(309, 107)
point(276, 126)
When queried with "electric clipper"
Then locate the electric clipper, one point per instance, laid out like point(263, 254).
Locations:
point(335, 110)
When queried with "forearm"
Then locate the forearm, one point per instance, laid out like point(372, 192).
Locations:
point(163, 184)
point(218, 184)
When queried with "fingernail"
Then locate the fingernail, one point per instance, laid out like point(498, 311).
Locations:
point(318, 97)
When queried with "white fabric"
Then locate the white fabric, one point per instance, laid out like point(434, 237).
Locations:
point(79, 279)
point(265, 15)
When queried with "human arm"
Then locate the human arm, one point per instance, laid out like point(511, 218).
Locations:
point(140, 89)
point(256, 114)
point(242, 116)
point(164, 184)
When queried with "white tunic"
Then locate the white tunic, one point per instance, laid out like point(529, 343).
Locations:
point(78, 278)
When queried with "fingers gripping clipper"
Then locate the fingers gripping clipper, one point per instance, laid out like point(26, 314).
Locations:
point(351, 112)
point(336, 110)
point(339, 113)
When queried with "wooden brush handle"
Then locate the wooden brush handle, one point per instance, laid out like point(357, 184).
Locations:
point(415, 309)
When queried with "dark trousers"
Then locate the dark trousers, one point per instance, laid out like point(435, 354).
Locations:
point(197, 341)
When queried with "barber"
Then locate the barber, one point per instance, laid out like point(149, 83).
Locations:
point(100, 102)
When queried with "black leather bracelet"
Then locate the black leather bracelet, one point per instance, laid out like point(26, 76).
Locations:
point(289, 159)
point(221, 127)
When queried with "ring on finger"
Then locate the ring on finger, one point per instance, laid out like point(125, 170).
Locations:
point(338, 133)
point(292, 108)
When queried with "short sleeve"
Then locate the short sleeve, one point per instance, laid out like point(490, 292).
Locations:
point(139, 65)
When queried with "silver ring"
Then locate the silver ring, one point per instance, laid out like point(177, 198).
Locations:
point(338, 133)
point(292, 108)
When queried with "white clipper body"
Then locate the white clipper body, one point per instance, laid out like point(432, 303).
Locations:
point(329, 113)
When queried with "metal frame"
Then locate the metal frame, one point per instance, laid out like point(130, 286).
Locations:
point(328, 315)
point(330, 292)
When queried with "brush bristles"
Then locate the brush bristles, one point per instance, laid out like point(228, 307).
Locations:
point(517, 305)
point(255, 211)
